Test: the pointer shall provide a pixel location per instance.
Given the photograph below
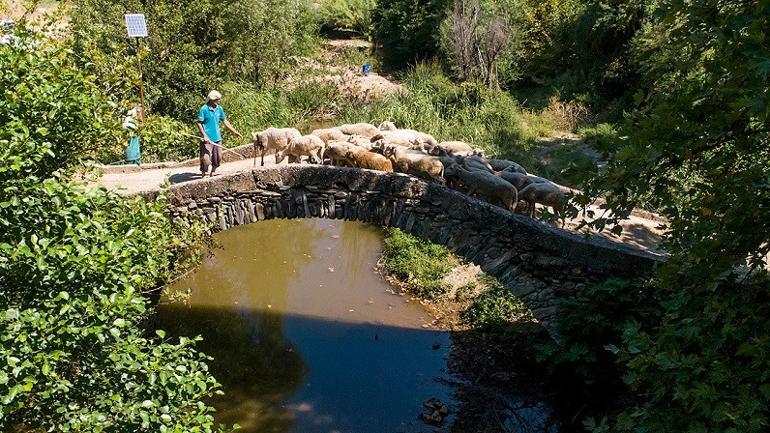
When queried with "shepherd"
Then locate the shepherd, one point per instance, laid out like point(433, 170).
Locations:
point(209, 117)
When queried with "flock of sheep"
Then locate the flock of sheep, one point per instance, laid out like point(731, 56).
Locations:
point(387, 148)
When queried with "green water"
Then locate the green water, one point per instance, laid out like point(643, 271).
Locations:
point(306, 336)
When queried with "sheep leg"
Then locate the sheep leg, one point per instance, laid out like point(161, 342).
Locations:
point(441, 178)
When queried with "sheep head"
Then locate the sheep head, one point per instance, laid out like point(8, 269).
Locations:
point(387, 126)
point(280, 156)
point(377, 138)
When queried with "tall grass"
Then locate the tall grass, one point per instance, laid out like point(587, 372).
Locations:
point(252, 109)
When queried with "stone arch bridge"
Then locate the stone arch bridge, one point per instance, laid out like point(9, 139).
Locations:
point(539, 263)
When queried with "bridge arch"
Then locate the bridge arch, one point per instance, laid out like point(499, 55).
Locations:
point(539, 263)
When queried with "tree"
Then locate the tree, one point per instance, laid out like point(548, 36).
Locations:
point(461, 37)
point(252, 39)
point(406, 30)
point(698, 153)
point(74, 264)
point(482, 40)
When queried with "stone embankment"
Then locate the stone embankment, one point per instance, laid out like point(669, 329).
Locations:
point(537, 262)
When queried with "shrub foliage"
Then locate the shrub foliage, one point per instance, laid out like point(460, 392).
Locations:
point(193, 47)
point(406, 31)
point(422, 265)
point(698, 150)
point(74, 264)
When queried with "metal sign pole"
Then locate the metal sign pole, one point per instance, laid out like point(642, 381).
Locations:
point(142, 115)
point(136, 25)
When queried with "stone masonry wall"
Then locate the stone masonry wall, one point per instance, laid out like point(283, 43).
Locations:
point(537, 262)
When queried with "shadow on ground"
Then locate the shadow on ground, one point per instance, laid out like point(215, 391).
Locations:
point(183, 177)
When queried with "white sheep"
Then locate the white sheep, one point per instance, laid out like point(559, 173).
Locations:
point(360, 141)
point(547, 194)
point(451, 148)
point(362, 129)
point(415, 163)
point(329, 134)
point(387, 126)
point(487, 185)
point(273, 139)
point(337, 151)
point(308, 145)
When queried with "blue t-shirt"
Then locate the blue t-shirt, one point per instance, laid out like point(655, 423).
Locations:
point(210, 118)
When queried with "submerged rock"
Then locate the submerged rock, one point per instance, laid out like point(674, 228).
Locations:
point(436, 413)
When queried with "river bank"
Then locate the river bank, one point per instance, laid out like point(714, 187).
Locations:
point(495, 388)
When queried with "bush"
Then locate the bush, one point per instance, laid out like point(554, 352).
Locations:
point(53, 112)
point(420, 264)
point(698, 143)
point(263, 37)
point(602, 137)
point(174, 59)
point(251, 39)
point(252, 109)
point(347, 15)
point(74, 264)
point(161, 140)
point(495, 307)
point(486, 118)
point(406, 31)
point(568, 165)
point(480, 39)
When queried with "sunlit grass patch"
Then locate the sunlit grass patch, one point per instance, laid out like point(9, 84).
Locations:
point(420, 265)
point(495, 306)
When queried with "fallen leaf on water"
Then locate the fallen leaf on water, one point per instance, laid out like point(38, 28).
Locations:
point(269, 306)
point(351, 310)
point(331, 269)
point(370, 301)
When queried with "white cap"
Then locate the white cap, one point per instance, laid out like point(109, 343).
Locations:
point(214, 95)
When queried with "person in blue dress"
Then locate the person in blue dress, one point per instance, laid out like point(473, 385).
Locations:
point(134, 149)
point(209, 117)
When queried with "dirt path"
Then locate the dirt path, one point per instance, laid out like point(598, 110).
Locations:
point(332, 66)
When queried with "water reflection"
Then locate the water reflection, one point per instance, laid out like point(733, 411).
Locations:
point(306, 336)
